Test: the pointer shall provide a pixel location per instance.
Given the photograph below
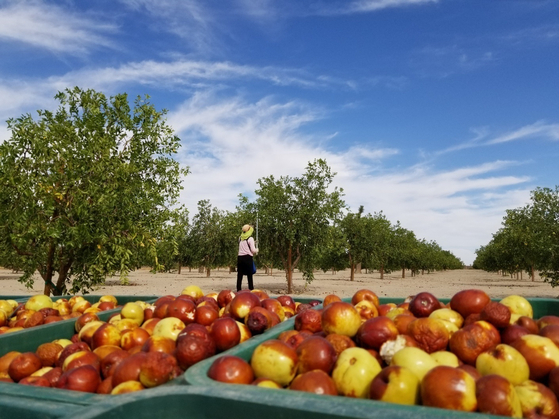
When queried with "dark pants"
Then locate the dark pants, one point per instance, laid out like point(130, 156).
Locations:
point(244, 267)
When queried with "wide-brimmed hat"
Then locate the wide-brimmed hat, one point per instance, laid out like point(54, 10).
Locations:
point(246, 228)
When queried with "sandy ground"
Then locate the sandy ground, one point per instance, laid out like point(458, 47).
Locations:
point(441, 284)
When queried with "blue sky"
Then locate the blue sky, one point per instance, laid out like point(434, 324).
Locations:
point(440, 113)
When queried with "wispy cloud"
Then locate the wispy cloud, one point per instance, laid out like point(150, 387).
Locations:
point(190, 75)
point(229, 142)
point(51, 27)
point(258, 9)
point(483, 138)
point(443, 61)
point(362, 6)
point(480, 134)
point(537, 130)
point(19, 95)
point(187, 72)
point(29, 94)
point(533, 35)
point(188, 19)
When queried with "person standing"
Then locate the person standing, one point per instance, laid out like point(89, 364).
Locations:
point(245, 262)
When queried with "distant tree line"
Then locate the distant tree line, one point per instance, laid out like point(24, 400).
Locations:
point(303, 226)
point(528, 239)
point(92, 189)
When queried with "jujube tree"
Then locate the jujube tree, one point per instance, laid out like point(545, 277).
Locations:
point(84, 188)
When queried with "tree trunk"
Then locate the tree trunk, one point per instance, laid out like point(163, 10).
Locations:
point(289, 272)
point(381, 271)
point(208, 271)
point(403, 272)
point(352, 272)
point(180, 268)
point(47, 273)
point(533, 272)
point(62, 276)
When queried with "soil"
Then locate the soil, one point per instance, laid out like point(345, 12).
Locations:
point(442, 283)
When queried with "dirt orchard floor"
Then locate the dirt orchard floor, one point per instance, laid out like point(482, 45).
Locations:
point(442, 284)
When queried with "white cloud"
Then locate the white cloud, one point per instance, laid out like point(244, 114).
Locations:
point(23, 95)
point(538, 129)
point(51, 27)
point(188, 19)
point(369, 155)
point(194, 73)
point(258, 9)
point(4, 133)
point(362, 6)
point(443, 61)
point(533, 35)
point(17, 95)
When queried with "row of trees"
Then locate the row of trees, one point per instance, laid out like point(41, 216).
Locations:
point(302, 226)
point(91, 190)
point(528, 239)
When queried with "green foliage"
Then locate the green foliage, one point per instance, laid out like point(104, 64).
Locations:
point(172, 241)
point(295, 215)
point(354, 228)
point(528, 240)
point(334, 252)
point(207, 237)
point(377, 244)
point(381, 243)
point(85, 189)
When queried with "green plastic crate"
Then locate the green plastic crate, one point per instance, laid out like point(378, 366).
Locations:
point(15, 297)
point(27, 402)
point(48, 403)
point(197, 376)
point(241, 402)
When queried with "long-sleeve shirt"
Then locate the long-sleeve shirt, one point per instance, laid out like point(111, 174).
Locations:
point(247, 247)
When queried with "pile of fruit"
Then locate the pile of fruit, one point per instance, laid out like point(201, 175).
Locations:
point(41, 309)
point(145, 345)
point(472, 354)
